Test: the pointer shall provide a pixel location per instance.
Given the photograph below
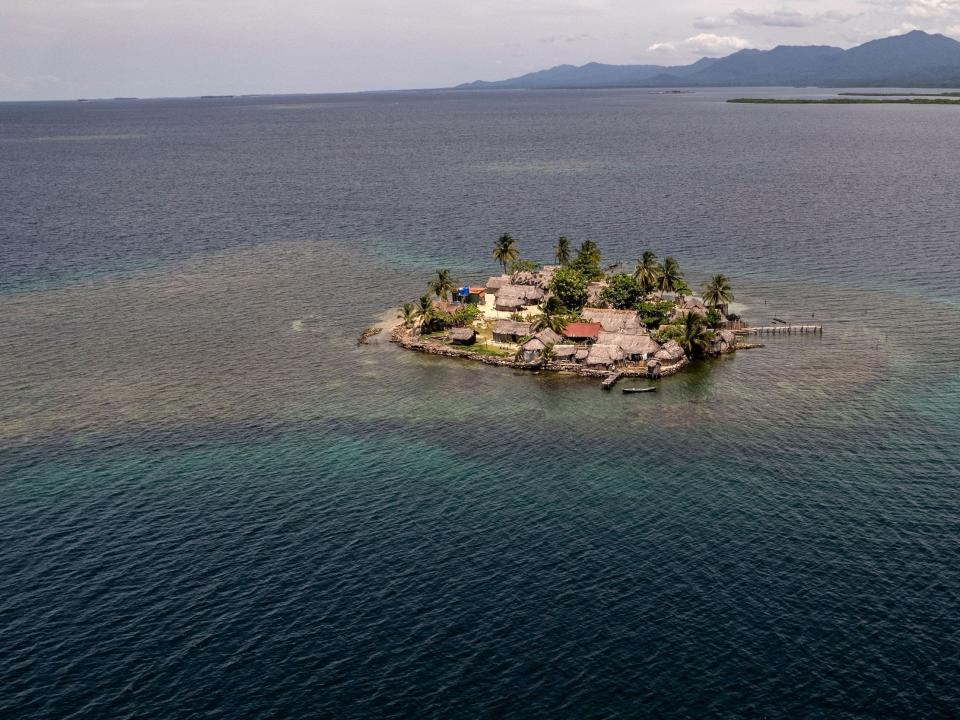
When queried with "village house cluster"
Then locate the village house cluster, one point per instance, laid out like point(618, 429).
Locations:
point(600, 339)
point(518, 318)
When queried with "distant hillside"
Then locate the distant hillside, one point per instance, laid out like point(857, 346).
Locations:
point(916, 59)
point(593, 75)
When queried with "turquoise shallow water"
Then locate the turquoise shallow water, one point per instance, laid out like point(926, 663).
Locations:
point(210, 508)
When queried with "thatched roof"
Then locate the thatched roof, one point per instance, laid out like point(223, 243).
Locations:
point(548, 337)
point(613, 320)
point(541, 340)
point(497, 282)
point(670, 352)
point(546, 274)
point(565, 351)
point(594, 289)
point(582, 353)
point(463, 335)
point(690, 305)
point(525, 277)
point(511, 296)
point(723, 341)
point(518, 296)
point(604, 355)
point(511, 327)
point(630, 343)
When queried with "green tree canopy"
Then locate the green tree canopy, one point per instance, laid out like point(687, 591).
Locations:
point(562, 252)
point(717, 291)
point(670, 275)
point(569, 286)
point(647, 272)
point(654, 314)
point(409, 314)
point(442, 285)
point(554, 321)
point(623, 293)
point(588, 260)
point(517, 266)
point(695, 337)
point(714, 319)
point(506, 250)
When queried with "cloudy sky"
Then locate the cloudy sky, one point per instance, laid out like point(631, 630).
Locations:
point(106, 48)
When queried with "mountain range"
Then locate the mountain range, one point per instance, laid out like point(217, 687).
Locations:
point(916, 59)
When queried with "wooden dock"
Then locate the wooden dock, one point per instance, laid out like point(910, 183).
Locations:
point(610, 380)
point(782, 330)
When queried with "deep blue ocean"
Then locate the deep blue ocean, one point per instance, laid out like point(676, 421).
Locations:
point(213, 504)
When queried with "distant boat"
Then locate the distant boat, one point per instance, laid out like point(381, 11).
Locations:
point(630, 391)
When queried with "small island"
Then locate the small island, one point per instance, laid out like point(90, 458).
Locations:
point(857, 99)
point(575, 317)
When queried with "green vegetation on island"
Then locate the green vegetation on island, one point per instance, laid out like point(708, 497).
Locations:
point(901, 94)
point(891, 100)
point(574, 315)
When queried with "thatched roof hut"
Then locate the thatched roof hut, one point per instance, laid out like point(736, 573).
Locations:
point(671, 352)
point(532, 349)
point(564, 352)
point(548, 337)
point(723, 341)
point(525, 277)
point(511, 298)
point(463, 336)
point(497, 282)
point(604, 355)
point(535, 346)
point(614, 320)
point(690, 305)
point(634, 345)
point(582, 353)
point(546, 274)
point(593, 291)
point(510, 331)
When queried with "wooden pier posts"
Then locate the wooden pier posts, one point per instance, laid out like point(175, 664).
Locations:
point(782, 330)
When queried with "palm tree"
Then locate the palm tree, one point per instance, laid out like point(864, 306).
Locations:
point(554, 321)
point(505, 251)
point(647, 272)
point(696, 336)
point(442, 285)
point(547, 355)
point(717, 292)
point(424, 309)
point(590, 251)
point(670, 275)
point(409, 314)
point(563, 250)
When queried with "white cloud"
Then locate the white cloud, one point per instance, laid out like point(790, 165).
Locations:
point(663, 47)
point(901, 29)
point(102, 48)
point(704, 43)
point(931, 8)
point(782, 18)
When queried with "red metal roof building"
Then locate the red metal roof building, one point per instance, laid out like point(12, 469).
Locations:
point(582, 331)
